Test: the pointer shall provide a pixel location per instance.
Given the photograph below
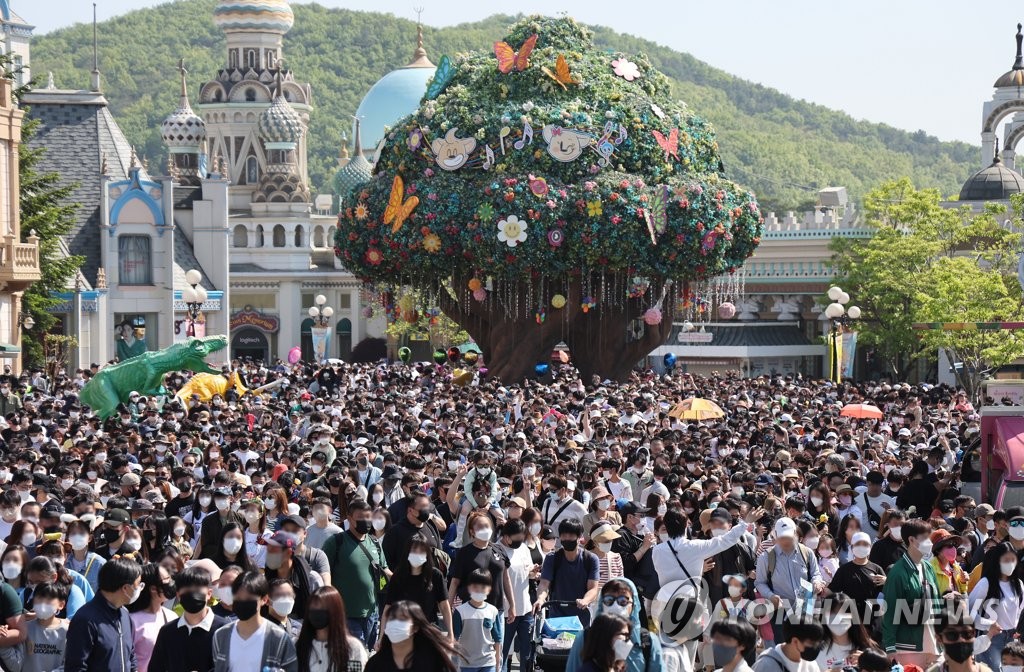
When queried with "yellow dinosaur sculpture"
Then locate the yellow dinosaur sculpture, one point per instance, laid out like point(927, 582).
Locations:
point(206, 385)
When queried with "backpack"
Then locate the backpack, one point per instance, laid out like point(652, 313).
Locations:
point(773, 560)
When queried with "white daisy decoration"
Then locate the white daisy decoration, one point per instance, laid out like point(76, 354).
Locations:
point(511, 231)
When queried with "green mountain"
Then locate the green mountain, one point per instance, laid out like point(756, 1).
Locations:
point(784, 149)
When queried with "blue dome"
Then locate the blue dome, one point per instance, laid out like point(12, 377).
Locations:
point(395, 96)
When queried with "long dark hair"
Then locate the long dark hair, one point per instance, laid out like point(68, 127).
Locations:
point(426, 637)
point(842, 543)
point(990, 570)
point(840, 603)
point(161, 533)
point(242, 558)
point(599, 640)
point(338, 652)
point(151, 579)
point(404, 572)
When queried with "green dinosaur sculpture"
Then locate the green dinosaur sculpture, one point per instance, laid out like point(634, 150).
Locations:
point(144, 373)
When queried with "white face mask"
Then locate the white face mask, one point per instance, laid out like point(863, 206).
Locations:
point(991, 526)
point(816, 502)
point(28, 538)
point(270, 503)
point(896, 533)
point(45, 611)
point(618, 610)
point(252, 516)
point(1008, 568)
point(179, 531)
point(223, 504)
point(718, 532)
point(925, 547)
point(535, 529)
point(79, 541)
point(398, 631)
point(379, 523)
point(483, 534)
point(605, 547)
point(478, 596)
point(377, 496)
point(66, 483)
point(204, 500)
point(528, 472)
point(861, 552)
point(283, 605)
point(662, 509)
point(811, 543)
point(603, 505)
point(232, 545)
point(735, 591)
point(663, 536)
point(137, 593)
point(840, 627)
point(1017, 533)
point(12, 570)
point(622, 648)
point(224, 594)
point(417, 559)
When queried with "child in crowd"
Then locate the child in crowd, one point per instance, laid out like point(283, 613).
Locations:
point(478, 626)
point(46, 634)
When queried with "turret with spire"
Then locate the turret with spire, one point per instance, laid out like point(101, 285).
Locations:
point(1015, 76)
point(184, 133)
point(419, 57)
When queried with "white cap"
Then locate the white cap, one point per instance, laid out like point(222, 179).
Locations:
point(785, 417)
point(785, 527)
point(903, 432)
point(859, 537)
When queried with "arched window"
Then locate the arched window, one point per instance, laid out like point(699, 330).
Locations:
point(250, 95)
point(233, 58)
point(217, 96)
point(241, 236)
point(260, 242)
point(279, 236)
point(252, 170)
point(251, 58)
point(318, 236)
point(271, 59)
point(300, 237)
point(135, 262)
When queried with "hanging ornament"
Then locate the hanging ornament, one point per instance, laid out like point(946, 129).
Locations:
point(471, 357)
point(542, 369)
point(652, 316)
point(588, 304)
point(558, 301)
point(480, 294)
point(670, 361)
point(727, 310)
point(474, 284)
point(541, 315)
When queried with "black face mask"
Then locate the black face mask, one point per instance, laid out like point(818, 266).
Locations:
point(515, 544)
point(111, 535)
point(960, 651)
point(318, 618)
point(423, 515)
point(364, 526)
point(193, 602)
point(170, 590)
point(570, 545)
point(810, 653)
point(246, 609)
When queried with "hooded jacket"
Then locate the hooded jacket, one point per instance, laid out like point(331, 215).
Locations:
point(635, 660)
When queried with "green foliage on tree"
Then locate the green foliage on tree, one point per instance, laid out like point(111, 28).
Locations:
point(784, 149)
point(927, 263)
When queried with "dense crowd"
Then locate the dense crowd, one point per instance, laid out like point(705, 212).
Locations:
point(388, 517)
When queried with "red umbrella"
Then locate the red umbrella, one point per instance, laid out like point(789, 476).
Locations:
point(861, 411)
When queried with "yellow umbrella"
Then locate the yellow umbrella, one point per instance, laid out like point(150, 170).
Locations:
point(696, 408)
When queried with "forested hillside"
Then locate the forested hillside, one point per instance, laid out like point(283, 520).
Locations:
point(784, 149)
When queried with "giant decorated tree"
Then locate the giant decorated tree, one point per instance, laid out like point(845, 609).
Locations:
point(549, 191)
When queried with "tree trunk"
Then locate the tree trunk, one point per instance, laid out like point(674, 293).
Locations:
point(598, 340)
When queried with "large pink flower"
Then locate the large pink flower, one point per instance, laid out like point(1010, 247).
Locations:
point(626, 69)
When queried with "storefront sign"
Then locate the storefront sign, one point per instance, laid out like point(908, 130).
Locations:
point(695, 337)
point(251, 318)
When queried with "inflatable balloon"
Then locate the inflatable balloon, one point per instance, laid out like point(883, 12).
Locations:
point(670, 361)
point(462, 377)
point(558, 301)
point(440, 356)
point(294, 355)
point(482, 371)
point(454, 354)
point(404, 354)
point(727, 310)
point(471, 356)
point(542, 369)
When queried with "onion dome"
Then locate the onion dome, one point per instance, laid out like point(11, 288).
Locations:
point(280, 126)
point(356, 172)
point(1015, 76)
point(270, 16)
point(995, 183)
point(183, 130)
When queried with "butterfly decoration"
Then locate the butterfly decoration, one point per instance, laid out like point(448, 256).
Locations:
point(561, 75)
point(397, 210)
point(443, 76)
point(656, 214)
point(509, 59)
point(669, 145)
point(710, 238)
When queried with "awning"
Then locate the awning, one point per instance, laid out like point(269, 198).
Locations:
point(745, 341)
point(8, 351)
point(466, 347)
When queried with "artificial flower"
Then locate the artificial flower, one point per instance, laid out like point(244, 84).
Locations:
point(594, 208)
point(626, 69)
point(361, 211)
point(432, 243)
point(374, 256)
point(511, 231)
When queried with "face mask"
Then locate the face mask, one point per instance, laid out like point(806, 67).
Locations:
point(662, 510)
point(862, 552)
point(270, 503)
point(925, 547)
point(178, 532)
point(79, 541)
point(622, 648)
point(193, 602)
point(131, 545)
point(245, 609)
point(959, 652)
point(1006, 668)
point(478, 596)
point(379, 523)
point(274, 561)
point(224, 594)
point(949, 554)
point(1017, 533)
point(101, 458)
point(252, 516)
point(737, 492)
point(316, 469)
point(283, 605)
point(528, 472)
point(66, 483)
point(811, 543)
point(417, 559)
point(364, 526)
point(232, 545)
point(91, 475)
point(223, 504)
point(12, 570)
point(735, 591)
point(28, 538)
point(483, 534)
point(1007, 568)
point(816, 502)
point(811, 652)
point(603, 505)
point(991, 526)
point(398, 631)
point(137, 593)
point(722, 654)
point(605, 547)
point(45, 611)
point(570, 545)
point(717, 532)
point(839, 627)
point(204, 500)
point(896, 533)
point(318, 618)
point(618, 610)
point(25, 496)
point(825, 552)
point(663, 536)
point(235, 506)
point(535, 529)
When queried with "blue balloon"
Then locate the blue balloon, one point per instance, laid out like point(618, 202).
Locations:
point(542, 369)
point(670, 361)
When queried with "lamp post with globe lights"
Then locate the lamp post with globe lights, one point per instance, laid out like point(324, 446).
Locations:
point(194, 297)
point(840, 318)
point(321, 313)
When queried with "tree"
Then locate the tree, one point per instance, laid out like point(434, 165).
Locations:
point(530, 191)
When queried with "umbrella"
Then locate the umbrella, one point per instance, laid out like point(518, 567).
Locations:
point(861, 411)
point(696, 408)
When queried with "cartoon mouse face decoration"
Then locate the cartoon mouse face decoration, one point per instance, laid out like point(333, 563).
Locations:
point(565, 144)
point(452, 153)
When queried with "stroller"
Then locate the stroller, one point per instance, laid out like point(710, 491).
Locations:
point(553, 637)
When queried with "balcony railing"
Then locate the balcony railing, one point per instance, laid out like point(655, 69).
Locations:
point(19, 262)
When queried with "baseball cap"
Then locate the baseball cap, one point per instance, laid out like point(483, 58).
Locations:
point(983, 510)
point(785, 527)
point(282, 539)
point(626, 507)
point(294, 520)
point(859, 537)
point(903, 432)
point(118, 516)
point(130, 479)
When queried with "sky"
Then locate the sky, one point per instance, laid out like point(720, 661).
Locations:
point(911, 64)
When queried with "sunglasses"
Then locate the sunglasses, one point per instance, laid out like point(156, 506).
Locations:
point(621, 600)
point(1017, 523)
point(958, 636)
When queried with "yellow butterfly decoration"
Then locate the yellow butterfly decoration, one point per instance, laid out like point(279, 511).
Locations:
point(561, 75)
point(398, 211)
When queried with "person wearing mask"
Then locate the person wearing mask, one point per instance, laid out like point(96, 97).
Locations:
point(801, 642)
point(619, 599)
point(251, 643)
point(46, 634)
point(569, 574)
point(998, 601)
point(639, 476)
point(919, 492)
point(186, 643)
point(222, 591)
point(417, 579)
point(560, 505)
point(634, 546)
point(845, 635)
point(417, 521)
point(911, 580)
point(100, 634)
point(602, 540)
point(860, 579)
point(889, 546)
point(519, 630)
point(148, 615)
point(412, 644)
point(736, 559)
point(255, 531)
point(483, 554)
point(213, 526)
point(949, 575)
point(956, 628)
point(324, 644)
point(732, 642)
point(316, 558)
point(232, 548)
point(478, 625)
point(601, 503)
point(606, 645)
point(283, 563)
point(874, 503)
point(782, 570)
point(682, 559)
point(282, 603)
point(359, 571)
point(322, 527)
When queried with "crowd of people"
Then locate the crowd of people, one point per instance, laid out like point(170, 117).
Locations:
point(387, 517)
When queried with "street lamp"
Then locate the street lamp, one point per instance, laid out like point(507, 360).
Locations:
point(320, 312)
point(25, 321)
point(194, 296)
point(840, 317)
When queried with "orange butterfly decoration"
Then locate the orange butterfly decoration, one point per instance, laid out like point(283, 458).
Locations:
point(508, 58)
point(669, 145)
point(398, 211)
point(561, 75)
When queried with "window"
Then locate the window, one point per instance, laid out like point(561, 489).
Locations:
point(300, 236)
point(252, 170)
point(250, 95)
point(19, 63)
point(279, 236)
point(259, 236)
point(134, 262)
point(241, 236)
point(233, 58)
point(250, 58)
point(345, 303)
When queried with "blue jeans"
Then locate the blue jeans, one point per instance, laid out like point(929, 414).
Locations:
point(521, 631)
point(993, 655)
point(365, 629)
